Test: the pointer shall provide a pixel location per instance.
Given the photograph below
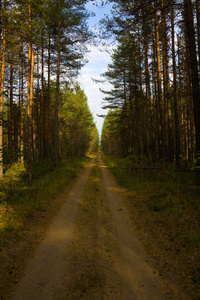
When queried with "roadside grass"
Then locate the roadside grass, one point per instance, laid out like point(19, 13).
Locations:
point(19, 202)
point(162, 189)
point(168, 205)
point(92, 281)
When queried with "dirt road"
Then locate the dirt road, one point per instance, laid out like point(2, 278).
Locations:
point(90, 250)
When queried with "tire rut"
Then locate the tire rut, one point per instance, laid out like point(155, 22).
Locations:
point(44, 274)
point(143, 280)
point(90, 251)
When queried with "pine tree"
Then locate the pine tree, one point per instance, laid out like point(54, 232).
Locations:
point(194, 78)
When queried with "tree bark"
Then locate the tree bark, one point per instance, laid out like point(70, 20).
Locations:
point(198, 29)
point(57, 93)
point(3, 50)
point(127, 128)
point(180, 87)
point(48, 99)
point(42, 101)
point(176, 117)
point(158, 69)
point(22, 109)
point(30, 99)
point(11, 120)
point(194, 79)
point(168, 143)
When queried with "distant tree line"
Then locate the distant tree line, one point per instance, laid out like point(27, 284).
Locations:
point(42, 46)
point(155, 99)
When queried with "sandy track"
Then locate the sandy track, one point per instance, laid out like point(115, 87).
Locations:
point(143, 280)
point(45, 272)
point(90, 251)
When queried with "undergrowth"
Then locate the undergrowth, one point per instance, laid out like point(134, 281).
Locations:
point(170, 202)
point(164, 186)
point(19, 202)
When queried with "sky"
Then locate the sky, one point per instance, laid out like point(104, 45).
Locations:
point(98, 61)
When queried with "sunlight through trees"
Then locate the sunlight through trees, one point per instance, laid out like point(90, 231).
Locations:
point(42, 47)
point(155, 78)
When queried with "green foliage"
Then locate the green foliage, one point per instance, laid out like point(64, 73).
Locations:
point(193, 238)
point(35, 23)
point(40, 169)
point(111, 139)
point(12, 182)
point(78, 133)
point(20, 202)
point(164, 189)
point(77, 125)
point(166, 204)
point(196, 275)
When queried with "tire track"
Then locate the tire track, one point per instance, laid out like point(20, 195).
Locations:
point(45, 272)
point(90, 251)
point(144, 282)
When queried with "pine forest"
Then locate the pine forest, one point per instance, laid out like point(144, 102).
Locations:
point(155, 98)
point(91, 213)
point(44, 115)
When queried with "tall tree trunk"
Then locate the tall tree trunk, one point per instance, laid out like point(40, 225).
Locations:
point(194, 78)
point(3, 50)
point(22, 109)
point(11, 119)
point(158, 69)
point(147, 78)
point(189, 99)
point(165, 79)
point(198, 28)
point(177, 133)
point(180, 88)
point(127, 137)
point(42, 101)
point(57, 93)
point(167, 104)
point(32, 108)
point(30, 99)
point(48, 98)
point(142, 140)
point(38, 105)
point(188, 93)
point(155, 104)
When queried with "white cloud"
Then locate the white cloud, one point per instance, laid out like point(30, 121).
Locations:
point(97, 65)
point(98, 61)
